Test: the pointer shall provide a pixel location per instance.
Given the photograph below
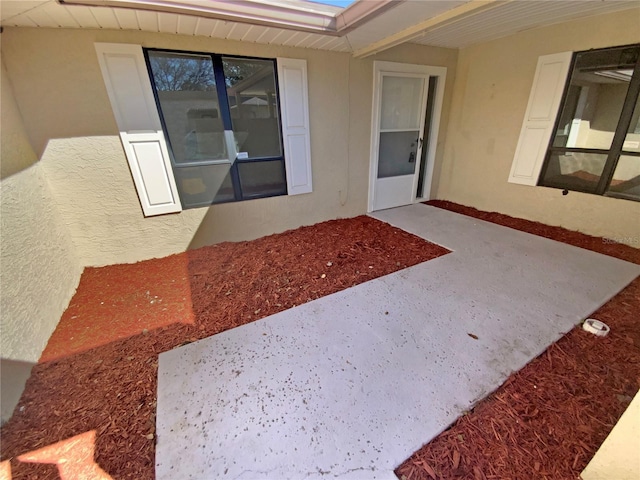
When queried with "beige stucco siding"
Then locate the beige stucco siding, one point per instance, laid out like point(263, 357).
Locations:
point(39, 270)
point(60, 91)
point(489, 102)
point(617, 458)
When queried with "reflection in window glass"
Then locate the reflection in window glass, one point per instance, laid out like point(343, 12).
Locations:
point(186, 89)
point(400, 109)
point(596, 146)
point(626, 177)
point(575, 171)
point(251, 89)
point(262, 178)
point(632, 139)
point(204, 185)
point(397, 153)
point(202, 120)
point(594, 100)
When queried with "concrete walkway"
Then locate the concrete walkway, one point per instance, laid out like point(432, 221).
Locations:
point(349, 385)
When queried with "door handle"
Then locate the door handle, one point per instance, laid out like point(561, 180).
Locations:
point(420, 142)
point(412, 157)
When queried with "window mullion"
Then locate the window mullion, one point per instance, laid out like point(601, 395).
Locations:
point(225, 112)
point(235, 179)
point(621, 130)
point(221, 88)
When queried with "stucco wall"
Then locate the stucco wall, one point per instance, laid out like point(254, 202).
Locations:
point(39, 270)
point(489, 101)
point(61, 93)
point(618, 457)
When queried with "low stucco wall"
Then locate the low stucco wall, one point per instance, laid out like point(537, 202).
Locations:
point(39, 269)
point(489, 101)
point(12, 382)
point(60, 91)
point(618, 456)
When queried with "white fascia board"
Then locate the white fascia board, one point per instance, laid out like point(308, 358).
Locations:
point(468, 9)
point(291, 15)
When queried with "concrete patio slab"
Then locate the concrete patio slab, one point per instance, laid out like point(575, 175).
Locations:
point(349, 385)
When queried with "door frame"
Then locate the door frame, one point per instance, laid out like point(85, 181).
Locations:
point(379, 69)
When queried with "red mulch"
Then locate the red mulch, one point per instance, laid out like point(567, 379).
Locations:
point(118, 301)
point(578, 239)
point(549, 419)
point(107, 383)
point(546, 421)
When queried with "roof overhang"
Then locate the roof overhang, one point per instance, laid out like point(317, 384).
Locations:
point(289, 14)
point(365, 28)
point(446, 18)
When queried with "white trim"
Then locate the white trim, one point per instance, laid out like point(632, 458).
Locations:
point(441, 74)
point(381, 68)
point(441, 20)
point(312, 17)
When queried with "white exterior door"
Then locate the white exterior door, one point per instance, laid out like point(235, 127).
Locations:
point(398, 132)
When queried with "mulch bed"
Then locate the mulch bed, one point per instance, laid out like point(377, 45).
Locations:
point(118, 301)
point(549, 419)
point(546, 421)
point(104, 382)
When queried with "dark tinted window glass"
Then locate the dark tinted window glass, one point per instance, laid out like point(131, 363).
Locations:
point(204, 185)
point(186, 89)
point(262, 178)
point(596, 94)
point(596, 145)
point(251, 89)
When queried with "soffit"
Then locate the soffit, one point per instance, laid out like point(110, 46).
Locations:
point(515, 16)
point(51, 14)
point(402, 16)
point(402, 19)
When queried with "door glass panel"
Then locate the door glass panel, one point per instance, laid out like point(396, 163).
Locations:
point(253, 102)
point(397, 153)
point(204, 185)
point(186, 89)
point(401, 106)
point(574, 170)
point(626, 177)
point(594, 100)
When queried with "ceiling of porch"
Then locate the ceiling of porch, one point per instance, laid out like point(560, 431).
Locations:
point(364, 28)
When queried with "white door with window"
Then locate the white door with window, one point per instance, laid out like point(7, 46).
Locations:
point(406, 110)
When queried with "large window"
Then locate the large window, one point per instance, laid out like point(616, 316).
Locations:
point(221, 119)
point(595, 147)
